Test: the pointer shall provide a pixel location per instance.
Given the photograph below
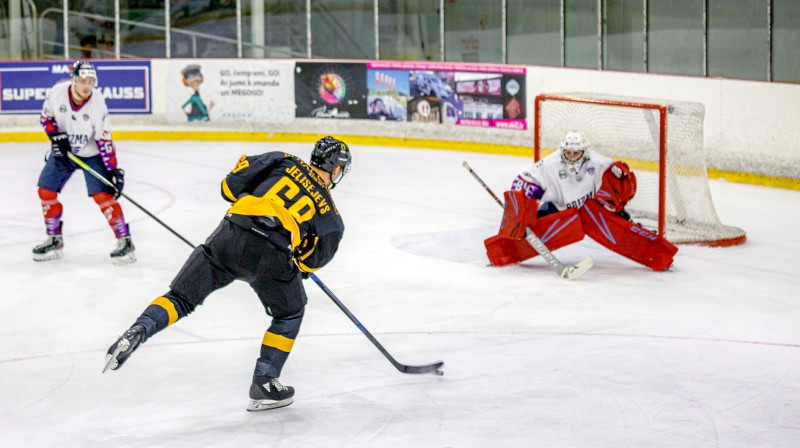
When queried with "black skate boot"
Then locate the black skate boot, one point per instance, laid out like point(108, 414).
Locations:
point(269, 393)
point(124, 253)
point(121, 350)
point(50, 249)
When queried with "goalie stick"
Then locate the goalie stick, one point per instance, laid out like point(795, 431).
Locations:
point(434, 368)
point(569, 273)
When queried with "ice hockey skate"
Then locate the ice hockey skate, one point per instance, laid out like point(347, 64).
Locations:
point(50, 249)
point(268, 393)
point(124, 253)
point(121, 350)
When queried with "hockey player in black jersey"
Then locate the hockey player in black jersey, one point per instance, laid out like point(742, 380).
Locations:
point(281, 226)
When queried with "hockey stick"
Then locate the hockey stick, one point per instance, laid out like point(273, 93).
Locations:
point(569, 273)
point(94, 173)
point(431, 368)
point(434, 368)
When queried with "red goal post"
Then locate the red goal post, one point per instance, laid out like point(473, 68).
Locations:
point(661, 140)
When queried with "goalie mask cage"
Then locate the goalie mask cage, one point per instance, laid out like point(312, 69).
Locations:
point(662, 141)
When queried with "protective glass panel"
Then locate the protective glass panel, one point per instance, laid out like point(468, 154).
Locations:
point(409, 30)
point(623, 46)
point(91, 29)
point(581, 33)
point(203, 29)
point(143, 29)
point(786, 41)
point(675, 37)
point(274, 29)
point(534, 32)
point(19, 30)
point(343, 29)
point(473, 31)
point(738, 46)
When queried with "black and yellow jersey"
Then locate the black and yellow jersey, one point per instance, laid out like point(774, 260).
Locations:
point(283, 186)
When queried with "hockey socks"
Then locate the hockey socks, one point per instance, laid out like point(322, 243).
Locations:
point(51, 210)
point(626, 238)
point(277, 344)
point(113, 213)
point(163, 312)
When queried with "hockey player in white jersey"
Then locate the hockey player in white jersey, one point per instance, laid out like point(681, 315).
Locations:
point(574, 192)
point(75, 118)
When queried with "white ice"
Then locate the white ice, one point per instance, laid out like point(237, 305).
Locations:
point(707, 355)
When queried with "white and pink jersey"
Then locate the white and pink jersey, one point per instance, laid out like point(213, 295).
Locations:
point(87, 125)
point(564, 185)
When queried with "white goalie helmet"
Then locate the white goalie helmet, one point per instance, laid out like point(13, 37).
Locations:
point(573, 147)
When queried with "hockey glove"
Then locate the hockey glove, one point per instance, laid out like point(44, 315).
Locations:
point(118, 179)
point(59, 145)
point(618, 187)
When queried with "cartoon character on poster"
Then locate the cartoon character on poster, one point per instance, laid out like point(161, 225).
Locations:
point(194, 108)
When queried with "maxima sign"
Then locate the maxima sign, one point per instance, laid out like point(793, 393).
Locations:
point(25, 85)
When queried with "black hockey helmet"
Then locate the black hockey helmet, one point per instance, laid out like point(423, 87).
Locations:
point(82, 69)
point(329, 153)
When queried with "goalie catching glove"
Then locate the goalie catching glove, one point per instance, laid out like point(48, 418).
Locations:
point(618, 187)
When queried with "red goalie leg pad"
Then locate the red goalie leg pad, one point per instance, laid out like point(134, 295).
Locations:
point(113, 213)
point(518, 214)
point(555, 230)
point(626, 238)
point(51, 209)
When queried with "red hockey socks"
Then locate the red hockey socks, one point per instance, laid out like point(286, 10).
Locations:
point(113, 213)
point(51, 209)
point(626, 238)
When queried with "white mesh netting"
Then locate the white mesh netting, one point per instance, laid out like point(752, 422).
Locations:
point(624, 129)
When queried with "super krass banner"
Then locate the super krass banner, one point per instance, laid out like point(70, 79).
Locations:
point(461, 94)
point(25, 85)
point(330, 90)
point(227, 90)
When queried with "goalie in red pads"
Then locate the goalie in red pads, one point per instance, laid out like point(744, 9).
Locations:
point(571, 193)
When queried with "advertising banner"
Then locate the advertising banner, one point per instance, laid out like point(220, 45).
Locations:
point(225, 90)
point(462, 94)
point(330, 90)
point(25, 85)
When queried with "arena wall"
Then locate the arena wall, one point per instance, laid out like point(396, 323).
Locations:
point(750, 128)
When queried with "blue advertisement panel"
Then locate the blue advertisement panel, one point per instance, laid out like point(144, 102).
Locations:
point(25, 85)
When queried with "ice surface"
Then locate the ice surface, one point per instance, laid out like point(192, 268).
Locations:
point(707, 355)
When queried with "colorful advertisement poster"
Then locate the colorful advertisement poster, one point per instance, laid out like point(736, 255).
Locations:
point(25, 85)
point(330, 90)
point(462, 94)
point(223, 90)
point(387, 94)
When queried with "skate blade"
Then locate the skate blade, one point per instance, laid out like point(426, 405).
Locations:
point(48, 256)
point(122, 261)
point(111, 358)
point(264, 405)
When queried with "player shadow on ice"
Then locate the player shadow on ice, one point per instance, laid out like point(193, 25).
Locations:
point(466, 246)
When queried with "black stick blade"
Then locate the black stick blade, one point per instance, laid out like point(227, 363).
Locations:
point(434, 368)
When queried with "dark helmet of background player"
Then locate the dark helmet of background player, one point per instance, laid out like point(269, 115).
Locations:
point(329, 153)
point(82, 69)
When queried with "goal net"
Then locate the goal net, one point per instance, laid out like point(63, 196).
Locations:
point(662, 142)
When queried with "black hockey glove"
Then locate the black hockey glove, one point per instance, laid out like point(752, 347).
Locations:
point(59, 145)
point(118, 179)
